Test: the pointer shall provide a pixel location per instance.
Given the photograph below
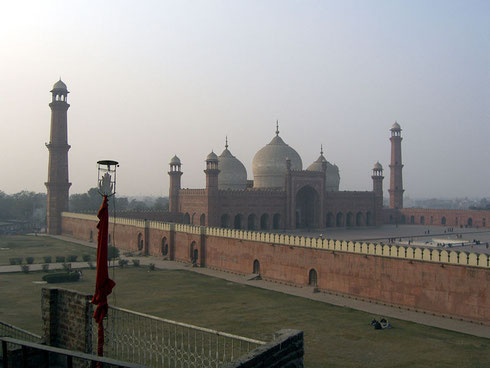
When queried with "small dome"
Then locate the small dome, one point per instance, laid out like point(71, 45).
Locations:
point(396, 126)
point(212, 157)
point(175, 160)
point(332, 176)
point(60, 85)
point(233, 174)
point(269, 163)
point(377, 166)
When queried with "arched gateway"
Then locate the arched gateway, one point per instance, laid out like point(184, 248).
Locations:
point(307, 207)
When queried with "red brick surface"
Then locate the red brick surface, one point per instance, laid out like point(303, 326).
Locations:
point(440, 288)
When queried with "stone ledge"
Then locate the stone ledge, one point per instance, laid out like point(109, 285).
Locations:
point(286, 350)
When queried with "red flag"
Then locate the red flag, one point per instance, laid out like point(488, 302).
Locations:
point(103, 284)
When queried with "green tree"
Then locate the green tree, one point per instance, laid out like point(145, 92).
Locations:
point(161, 204)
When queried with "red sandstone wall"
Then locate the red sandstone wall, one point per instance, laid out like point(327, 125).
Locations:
point(453, 290)
point(444, 289)
point(454, 218)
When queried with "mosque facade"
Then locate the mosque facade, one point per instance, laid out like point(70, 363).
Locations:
point(282, 195)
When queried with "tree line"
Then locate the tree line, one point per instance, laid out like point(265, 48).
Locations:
point(31, 206)
point(91, 201)
point(23, 206)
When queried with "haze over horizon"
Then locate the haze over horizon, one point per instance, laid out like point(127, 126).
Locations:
point(152, 79)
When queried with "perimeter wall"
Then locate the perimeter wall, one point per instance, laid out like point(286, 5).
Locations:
point(437, 217)
point(443, 282)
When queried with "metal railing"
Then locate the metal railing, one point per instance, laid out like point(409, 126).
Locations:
point(51, 353)
point(157, 342)
point(17, 333)
point(7, 330)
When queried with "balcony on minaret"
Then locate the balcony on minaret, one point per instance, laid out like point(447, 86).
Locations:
point(59, 92)
point(396, 130)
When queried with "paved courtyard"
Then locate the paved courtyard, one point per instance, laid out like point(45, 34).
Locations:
point(418, 235)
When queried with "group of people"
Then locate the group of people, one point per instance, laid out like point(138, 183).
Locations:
point(381, 324)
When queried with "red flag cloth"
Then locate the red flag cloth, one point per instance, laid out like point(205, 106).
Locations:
point(103, 284)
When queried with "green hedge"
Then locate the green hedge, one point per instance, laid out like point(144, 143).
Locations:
point(61, 277)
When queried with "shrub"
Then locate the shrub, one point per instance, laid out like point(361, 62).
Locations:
point(151, 267)
point(123, 262)
point(86, 257)
point(29, 260)
point(61, 277)
point(91, 265)
point(15, 261)
point(72, 258)
point(45, 267)
point(25, 268)
point(112, 252)
point(136, 262)
point(67, 266)
point(48, 259)
point(128, 254)
point(60, 258)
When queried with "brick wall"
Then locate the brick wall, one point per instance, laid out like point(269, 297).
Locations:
point(438, 217)
point(448, 283)
point(67, 319)
point(67, 323)
point(285, 351)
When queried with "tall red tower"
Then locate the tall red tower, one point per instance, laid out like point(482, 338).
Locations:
point(396, 166)
point(378, 192)
point(212, 193)
point(57, 184)
point(175, 173)
point(378, 180)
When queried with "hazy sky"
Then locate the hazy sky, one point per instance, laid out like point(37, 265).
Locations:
point(150, 79)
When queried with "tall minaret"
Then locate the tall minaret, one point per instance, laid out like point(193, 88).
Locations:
point(396, 181)
point(175, 173)
point(57, 184)
point(212, 192)
point(378, 180)
point(378, 193)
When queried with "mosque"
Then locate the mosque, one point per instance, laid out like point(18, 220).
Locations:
point(282, 195)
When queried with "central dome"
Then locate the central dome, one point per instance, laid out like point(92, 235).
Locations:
point(269, 164)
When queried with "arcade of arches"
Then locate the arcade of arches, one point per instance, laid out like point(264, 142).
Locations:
point(305, 218)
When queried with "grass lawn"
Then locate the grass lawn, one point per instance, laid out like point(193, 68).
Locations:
point(334, 336)
point(39, 246)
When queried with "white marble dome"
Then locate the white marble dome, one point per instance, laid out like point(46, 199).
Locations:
point(332, 176)
point(269, 163)
point(233, 174)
